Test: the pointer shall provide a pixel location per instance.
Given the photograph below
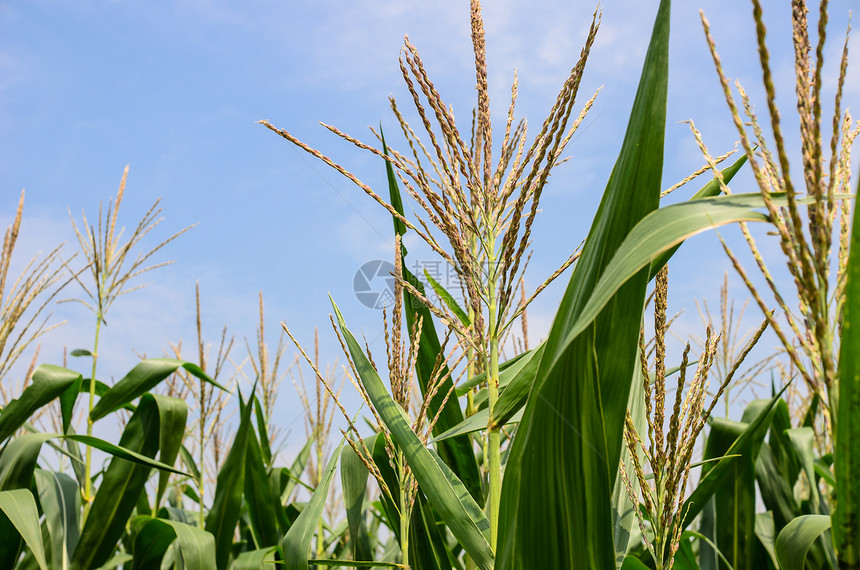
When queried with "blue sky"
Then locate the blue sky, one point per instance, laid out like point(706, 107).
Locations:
point(175, 89)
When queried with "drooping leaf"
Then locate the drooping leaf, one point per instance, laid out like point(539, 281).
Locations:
point(794, 540)
point(49, 382)
point(557, 491)
point(710, 190)
point(143, 378)
point(19, 506)
point(196, 546)
point(458, 512)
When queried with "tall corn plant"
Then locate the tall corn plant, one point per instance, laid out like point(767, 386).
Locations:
point(483, 207)
point(560, 475)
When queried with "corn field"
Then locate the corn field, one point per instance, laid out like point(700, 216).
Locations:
point(472, 448)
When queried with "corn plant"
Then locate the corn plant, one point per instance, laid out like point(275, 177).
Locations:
point(573, 453)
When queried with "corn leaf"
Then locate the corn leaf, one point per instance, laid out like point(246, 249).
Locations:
point(462, 515)
point(715, 475)
point(142, 378)
point(261, 559)
point(794, 540)
point(449, 300)
point(60, 498)
point(120, 487)
point(196, 546)
point(19, 506)
point(224, 514)
point(557, 492)
point(297, 542)
point(846, 517)
point(49, 382)
point(258, 496)
point(709, 190)
point(353, 477)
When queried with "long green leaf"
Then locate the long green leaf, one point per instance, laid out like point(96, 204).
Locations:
point(19, 507)
point(557, 492)
point(297, 542)
point(258, 495)
point(846, 517)
point(120, 488)
point(794, 540)
point(224, 514)
point(353, 477)
point(457, 511)
point(709, 190)
point(49, 382)
point(60, 498)
point(143, 378)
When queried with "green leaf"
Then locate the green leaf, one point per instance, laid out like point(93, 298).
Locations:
point(49, 382)
point(456, 510)
point(457, 452)
point(172, 414)
point(353, 477)
point(142, 378)
point(765, 531)
point(80, 352)
point(623, 508)
point(448, 299)
point(794, 540)
point(196, 545)
point(120, 488)
point(846, 517)
point(60, 498)
point(710, 190)
point(477, 422)
point(262, 422)
point(715, 476)
point(296, 469)
point(354, 564)
point(297, 542)
point(261, 559)
point(258, 496)
point(19, 506)
point(659, 232)
point(734, 500)
point(557, 492)
point(224, 514)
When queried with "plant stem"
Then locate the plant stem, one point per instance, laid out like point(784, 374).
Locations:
point(405, 511)
point(319, 446)
point(88, 483)
point(493, 438)
point(200, 435)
